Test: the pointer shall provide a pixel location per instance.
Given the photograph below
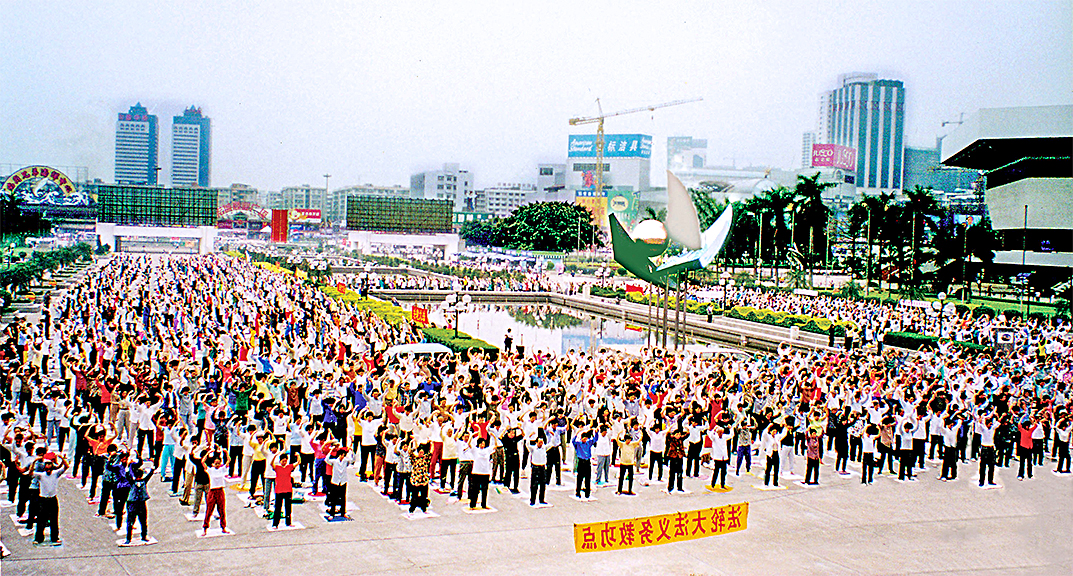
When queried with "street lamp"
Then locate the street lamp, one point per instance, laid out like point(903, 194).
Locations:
point(724, 281)
point(938, 305)
point(455, 304)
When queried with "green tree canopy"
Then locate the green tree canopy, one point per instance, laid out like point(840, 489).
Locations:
point(541, 226)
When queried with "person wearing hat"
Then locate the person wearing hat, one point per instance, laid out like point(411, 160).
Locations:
point(48, 507)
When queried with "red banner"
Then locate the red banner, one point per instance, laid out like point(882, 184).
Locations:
point(634, 288)
point(341, 287)
point(834, 156)
point(279, 226)
point(419, 315)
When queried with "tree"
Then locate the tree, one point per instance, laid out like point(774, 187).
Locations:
point(542, 226)
point(15, 220)
point(771, 208)
point(870, 216)
point(810, 236)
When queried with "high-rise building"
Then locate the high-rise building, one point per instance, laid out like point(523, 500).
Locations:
point(807, 140)
point(551, 183)
point(136, 147)
point(191, 149)
point(867, 114)
point(686, 152)
point(305, 197)
point(451, 183)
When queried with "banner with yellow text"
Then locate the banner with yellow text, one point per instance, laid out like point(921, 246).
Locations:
point(660, 529)
point(419, 315)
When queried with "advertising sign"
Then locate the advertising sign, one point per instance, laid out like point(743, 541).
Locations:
point(615, 146)
point(623, 204)
point(419, 315)
point(834, 156)
point(660, 529)
point(308, 215)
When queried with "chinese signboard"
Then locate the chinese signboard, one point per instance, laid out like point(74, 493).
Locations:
point(834, 156)
point(310, 215)
point(615, 146)
point(595, 202)
point(419, 315)
point(660, 529)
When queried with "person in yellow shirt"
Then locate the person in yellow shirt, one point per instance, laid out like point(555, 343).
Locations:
point(257, 467)
point(627, 457)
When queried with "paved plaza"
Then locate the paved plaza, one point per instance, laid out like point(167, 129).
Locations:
point(839, 527)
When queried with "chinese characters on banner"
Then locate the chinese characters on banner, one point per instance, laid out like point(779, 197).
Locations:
point(419, 315)
point(660, 529)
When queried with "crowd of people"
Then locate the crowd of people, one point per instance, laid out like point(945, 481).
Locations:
point(202, 370)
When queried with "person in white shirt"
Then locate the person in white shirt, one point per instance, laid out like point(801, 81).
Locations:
point(770, 441)
point(720, 454)
point(482, 473)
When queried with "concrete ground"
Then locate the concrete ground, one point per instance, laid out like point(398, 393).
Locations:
point(840, 527)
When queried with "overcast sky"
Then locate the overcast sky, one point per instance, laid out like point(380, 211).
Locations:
point(374, 91)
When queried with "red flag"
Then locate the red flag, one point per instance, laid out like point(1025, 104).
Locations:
point(341, 287)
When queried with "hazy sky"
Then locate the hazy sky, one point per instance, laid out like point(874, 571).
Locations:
point(374, 91)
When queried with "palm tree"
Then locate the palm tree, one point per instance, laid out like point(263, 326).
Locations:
point(814, 215)
point(870, 216)
point(771, 207)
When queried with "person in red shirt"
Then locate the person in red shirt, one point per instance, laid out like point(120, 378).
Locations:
point(1024, 445)
point(284, 467)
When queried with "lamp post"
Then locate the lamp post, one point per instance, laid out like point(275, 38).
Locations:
point(942, 311)
point(456, 305)
point(724, 281)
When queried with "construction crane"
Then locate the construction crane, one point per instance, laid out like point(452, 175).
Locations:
point(599, 121)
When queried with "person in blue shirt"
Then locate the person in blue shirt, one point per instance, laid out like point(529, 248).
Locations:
point(583, 442)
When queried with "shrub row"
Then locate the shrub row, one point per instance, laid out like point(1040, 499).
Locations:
point(805, 322)
point(462, 344)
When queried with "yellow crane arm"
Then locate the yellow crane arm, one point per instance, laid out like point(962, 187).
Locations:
point(594, 119)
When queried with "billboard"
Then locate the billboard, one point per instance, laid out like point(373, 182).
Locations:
point(834, 156)
point(401, 215)
point(595, 202)
point(623, 204)
point(615, 146)
point(305, 215)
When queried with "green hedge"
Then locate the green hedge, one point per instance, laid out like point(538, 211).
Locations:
point(910, 340)
point(692, 306)
point(982, 310)
point(805, 322)
point(387, 311)
point(914, 341)
point(604, 292)
point(462, 344)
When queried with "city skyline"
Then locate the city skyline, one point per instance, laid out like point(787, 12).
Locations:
point(376, 95)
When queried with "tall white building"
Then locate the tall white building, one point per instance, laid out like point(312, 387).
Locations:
point(807, 140)
point(451, 183)
point(191, 148)
point(304, 196)
point(686, 153)
point(136, 147)
point(503, 199)
point(867, 114)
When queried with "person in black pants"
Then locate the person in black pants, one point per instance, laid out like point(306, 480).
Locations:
point(510, 442)
point(675, 455)
point(139, 495)
point(48, 506)
point(538, 479)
